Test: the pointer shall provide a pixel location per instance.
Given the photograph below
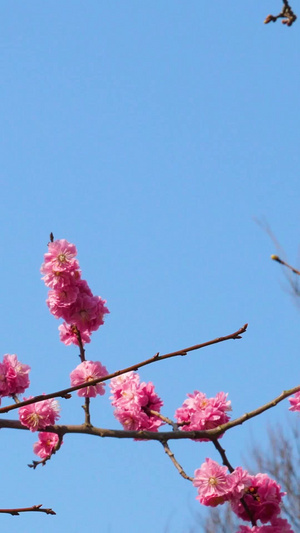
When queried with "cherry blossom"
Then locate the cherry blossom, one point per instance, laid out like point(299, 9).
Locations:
point(70, 297)
point(134, 401)
point(85, 372)
point(263, 498)
point(200, 413)
point(14, 378)
point(39, 415)
point(45, 445)
point(213, 482)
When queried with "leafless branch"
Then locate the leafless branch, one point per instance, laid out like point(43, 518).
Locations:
point(286, 14)
point(34, 508)
point(66, 393)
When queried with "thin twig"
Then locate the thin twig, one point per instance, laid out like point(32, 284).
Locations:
point(286, 14)
point(65, 393)
point(284, 263)
point(175, 462)
point(226, 462)
point(34, 508)
point(163, 418)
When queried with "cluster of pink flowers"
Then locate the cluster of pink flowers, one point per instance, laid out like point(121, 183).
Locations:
point(134, 401)
point(14, 378)
point(46, 444)
point(39, 415)
point(278, 525)
point(85, 372)
point(200, 413)
point(70, 297)
point(261, 494)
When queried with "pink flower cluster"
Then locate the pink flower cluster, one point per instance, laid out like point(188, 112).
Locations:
point(200, 413)
point(70, 297)
point(133, 402)
point(278, 525)
point(14, 378)
point(45, 446)
point(85, 372)
point(261, 494)
point(39, 415)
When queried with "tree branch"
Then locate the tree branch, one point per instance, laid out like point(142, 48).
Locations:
point(286, 14)
point(175, 462)
point(65, 393)
point(34, 508)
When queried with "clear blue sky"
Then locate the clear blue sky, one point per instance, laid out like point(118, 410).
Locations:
point(150, 134)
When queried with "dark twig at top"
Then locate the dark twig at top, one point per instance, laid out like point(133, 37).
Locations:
point(287, 14)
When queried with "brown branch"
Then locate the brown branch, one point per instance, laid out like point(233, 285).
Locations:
point(276, 258)
point(34, 508)
point(86, 408)
point(65, 393)
point(226, 462)
point(161, 436)
point(286, 14)
point(175, 462)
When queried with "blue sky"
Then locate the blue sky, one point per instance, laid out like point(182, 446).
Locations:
point(153, 135)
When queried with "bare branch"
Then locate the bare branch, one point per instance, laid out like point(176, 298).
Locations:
point(65, 393)
point(175, 462)
point(34, 508)
point(286, 14)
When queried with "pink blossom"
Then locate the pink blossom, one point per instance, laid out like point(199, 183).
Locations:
point(3, 382)
point(134, 402)
point(60, 257)
point(118, 383)
point(241, 480)
point(85, 372)
point(71, 298)
point(295, 402)
point(58, 280)
point(280, 525)
point(14, 377)
point(200, 413)
point(67, 335)
point(58, 300)
point(213, 482)
point(263, 498)
point(17, 378)
point(87, 312)
point(39, 415)
point(45, 445)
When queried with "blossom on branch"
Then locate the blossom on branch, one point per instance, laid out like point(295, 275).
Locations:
point(213, 482)
point(279, 525)
point(70, 297)
point(134, 401)
point(200, 413)
point(263, 498)
point(14, 378)
point(46, 444)
point(85, 372)
point(39, 415)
